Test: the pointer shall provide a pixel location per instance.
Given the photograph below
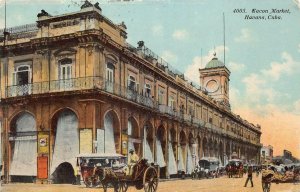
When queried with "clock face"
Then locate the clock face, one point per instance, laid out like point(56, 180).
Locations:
point(212, 86)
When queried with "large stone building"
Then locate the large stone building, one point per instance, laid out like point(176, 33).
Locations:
point(266, 154)
point(71, 84)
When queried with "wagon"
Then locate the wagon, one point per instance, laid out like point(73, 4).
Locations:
point(144, 176)
point(89, 163)
point(207, 167)
point(271, 175)
point(235, 168)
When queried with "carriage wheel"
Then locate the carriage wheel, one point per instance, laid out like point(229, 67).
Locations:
point(123, 186)
point(150, 180)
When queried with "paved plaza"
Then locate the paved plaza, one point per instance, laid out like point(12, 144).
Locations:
point(222, 184)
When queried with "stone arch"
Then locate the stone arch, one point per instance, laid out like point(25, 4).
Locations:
point(215, 149)
point(190, 162)
point(109, 138)
point(221, 151)
point(23, 147)
point(205, 146)
point(64, 174)
point(133, 133)
point(173, 139)
point(148, 141)
point(64, 137)
point(228, 150)
point(183, 142)
point(109, 57)
point(172, 151)
point(211, 147)
point(161, 138)
point(15, 116)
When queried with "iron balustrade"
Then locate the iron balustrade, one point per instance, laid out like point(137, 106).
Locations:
point(77, 84)
point(99, 83)
point(187, 117)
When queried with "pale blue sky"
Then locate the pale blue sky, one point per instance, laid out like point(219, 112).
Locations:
point(263, 55)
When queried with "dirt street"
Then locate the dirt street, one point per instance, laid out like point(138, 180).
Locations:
point(223, 184)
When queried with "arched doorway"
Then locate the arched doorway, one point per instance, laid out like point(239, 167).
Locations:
point(182, 151)
point(64, 173)
point(133, 135)
point(228, 155)
point(23, 145)
point(108, 139)
point(148, 142)
point(216, 149)
point(205, 147)
point(190, 160)
point(160, 150)
point(221, 153)
point(172, 165)
point(65, 141)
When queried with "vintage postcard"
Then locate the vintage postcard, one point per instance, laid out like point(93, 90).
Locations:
point(150, 95)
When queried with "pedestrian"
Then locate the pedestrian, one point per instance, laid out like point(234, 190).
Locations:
point(250, 170)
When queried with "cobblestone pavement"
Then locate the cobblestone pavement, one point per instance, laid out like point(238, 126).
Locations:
point(222, 184)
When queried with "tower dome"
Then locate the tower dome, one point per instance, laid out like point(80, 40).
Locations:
point(214, 63)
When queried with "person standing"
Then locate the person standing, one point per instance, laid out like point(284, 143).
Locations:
point(132, 160)
point(250, 170)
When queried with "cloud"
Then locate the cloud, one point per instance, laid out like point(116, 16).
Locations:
point(297, 2)
point(245, 36)
point(287, 66)
point(236, 67)
point(199, 62)
point(234, 95)
point(299, 48)
point(260, 86)
point(157, 30)
point(280, 127)
point(169, 56)
point(297, 106)
point(180, 34)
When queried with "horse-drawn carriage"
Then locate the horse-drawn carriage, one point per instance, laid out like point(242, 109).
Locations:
point(111, 170)
point(279, 174)
point(89, 165)
point(144, 176)
point(235, 168)
point(206, 167)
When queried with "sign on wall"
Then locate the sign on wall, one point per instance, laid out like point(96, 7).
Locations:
point(43, 142)
point(86, 141)
point(124, 144)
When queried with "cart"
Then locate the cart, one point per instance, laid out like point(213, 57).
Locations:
point(144, 176)
point(90, 163)
point(272, 176)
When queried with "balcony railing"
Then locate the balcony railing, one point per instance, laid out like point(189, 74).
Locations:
point(77, 84)
point(99, 83)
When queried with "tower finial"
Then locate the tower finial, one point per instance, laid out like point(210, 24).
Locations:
point(215, 51)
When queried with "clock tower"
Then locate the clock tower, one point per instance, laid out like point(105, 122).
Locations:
point(215, 79)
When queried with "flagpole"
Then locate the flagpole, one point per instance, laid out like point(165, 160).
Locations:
point(224, 34)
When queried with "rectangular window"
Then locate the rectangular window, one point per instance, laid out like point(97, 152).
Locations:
point(65, 71)
point(171, 102)
point(160, 96)
point(147, 90)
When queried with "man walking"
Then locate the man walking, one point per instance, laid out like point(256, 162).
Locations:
point(250, 170)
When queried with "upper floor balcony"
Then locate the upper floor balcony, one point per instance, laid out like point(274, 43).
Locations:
point(101, 84)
